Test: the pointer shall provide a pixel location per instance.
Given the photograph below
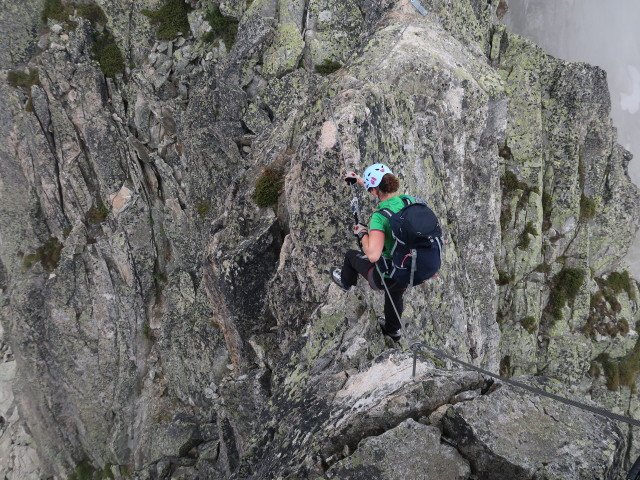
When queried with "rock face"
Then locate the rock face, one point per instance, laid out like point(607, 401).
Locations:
point(158, 323)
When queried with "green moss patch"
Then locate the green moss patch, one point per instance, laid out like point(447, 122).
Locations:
point(60, 11)
point(203, 207)
point(603, 320)
point(92, 12)
point(504, 278)
point(268, 187)
point(587, 208)
point(565, 288)
point(525, 239)
point(48, 255)
point(529, 324)
point(98, 215)
point(621, 282)
point(24, 80)
point(328, 67)
point(55, 10)
point(605, 307)
point(222, 28)
point(105, 49)
point(611, 371)
point(505, 152)
point(623, 371)
point(108, 54)
point(510, 183)
point(543, 268)
point(171, 18)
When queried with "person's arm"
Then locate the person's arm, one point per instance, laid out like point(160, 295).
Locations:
point(372, 245)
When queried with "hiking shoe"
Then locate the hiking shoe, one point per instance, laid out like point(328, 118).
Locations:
point(393, 335)
point(336, 276)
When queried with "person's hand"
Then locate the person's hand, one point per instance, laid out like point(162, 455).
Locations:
point(351, 178)
point(360, 231)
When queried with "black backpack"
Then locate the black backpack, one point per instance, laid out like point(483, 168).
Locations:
point(418, 243)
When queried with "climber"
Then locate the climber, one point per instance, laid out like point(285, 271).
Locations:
point(375, 261)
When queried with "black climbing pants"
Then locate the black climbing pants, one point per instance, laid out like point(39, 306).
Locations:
point(356, 262)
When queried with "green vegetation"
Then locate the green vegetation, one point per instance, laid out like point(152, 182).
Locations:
point(605, 306)
point(504, 278)
point(97, 215)
point(543, 268)
point(619, 282)
point(54, 10)
point(268, 187)
point(602, 318)
point(146, 331)
point(505, 152)
point(171, 18)
point(529, 324)
point(623, 371)
point(566, 285)
point(25, 80)
point(48, 255)
point(525, 240)
point(203, 207)
point(59, 11)
point(328, 67)
point(108, 54)
point(587, 208)
point(222, 28)
point(630, 366)
point(86, 471)
point(510, 183)
point(611, 371)
point(22, 79)
point(105, 49)
point(160, 277)
point(92, 12)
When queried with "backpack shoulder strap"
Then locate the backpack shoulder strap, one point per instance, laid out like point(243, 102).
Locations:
point(407, 201)
point(387, 213)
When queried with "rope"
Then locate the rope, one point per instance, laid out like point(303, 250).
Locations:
point(583, 406)
point(416, 346)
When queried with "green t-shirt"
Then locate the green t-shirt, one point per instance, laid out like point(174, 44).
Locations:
point(381, 223)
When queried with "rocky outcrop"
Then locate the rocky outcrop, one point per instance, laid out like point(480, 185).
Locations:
point(163, 325)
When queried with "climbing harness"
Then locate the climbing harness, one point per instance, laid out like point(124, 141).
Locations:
point(355, 208)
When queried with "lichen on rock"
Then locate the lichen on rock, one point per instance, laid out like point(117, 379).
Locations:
point(161, 324)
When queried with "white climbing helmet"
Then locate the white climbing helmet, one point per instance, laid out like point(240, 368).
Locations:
point(373, 175)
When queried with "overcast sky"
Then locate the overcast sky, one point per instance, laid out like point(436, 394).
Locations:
point(599, 32)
